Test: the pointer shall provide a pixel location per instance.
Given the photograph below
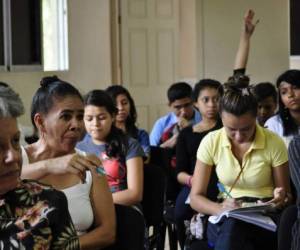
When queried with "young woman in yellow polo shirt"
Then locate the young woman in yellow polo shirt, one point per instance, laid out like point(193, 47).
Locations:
point(251, 163)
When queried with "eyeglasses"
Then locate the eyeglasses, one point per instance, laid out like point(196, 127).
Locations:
point(185, 105)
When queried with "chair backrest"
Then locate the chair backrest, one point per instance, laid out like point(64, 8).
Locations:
point(153, 198)
point(130, 229)
point(163, 157)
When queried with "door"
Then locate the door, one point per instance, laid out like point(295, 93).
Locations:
point(149, 54)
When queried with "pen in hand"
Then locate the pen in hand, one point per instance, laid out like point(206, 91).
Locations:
point(101, 171)
point(223, 190)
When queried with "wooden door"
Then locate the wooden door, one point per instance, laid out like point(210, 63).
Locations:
point(149, 54)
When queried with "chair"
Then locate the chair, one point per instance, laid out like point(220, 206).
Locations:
point(162, 157)
point(153, 204)
point(130, 229)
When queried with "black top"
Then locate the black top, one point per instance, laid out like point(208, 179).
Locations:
point(187, 146)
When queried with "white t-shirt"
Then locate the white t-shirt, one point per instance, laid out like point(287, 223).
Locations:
point(79, 203)
point(275, 124)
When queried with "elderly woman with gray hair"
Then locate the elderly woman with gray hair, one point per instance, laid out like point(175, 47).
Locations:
point(33, 216)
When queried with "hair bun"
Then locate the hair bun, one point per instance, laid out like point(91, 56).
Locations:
point(47, 80)
point(238, 81)
point(3, 84)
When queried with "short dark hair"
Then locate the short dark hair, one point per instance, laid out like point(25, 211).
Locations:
point(178, 91)
point(264, 90)
point(238, 98)
point(206, 83)
point(289, 125)
point(51, 89)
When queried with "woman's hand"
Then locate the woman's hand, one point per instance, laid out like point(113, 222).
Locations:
point(229, 204)
point(249, 26)
point(170, 143)
point(280, 197)
point(73, 163)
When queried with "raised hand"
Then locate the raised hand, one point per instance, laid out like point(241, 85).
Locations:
point(249, 25)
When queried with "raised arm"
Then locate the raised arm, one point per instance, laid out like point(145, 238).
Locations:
point(104, 230)
point(244, 44)
point(134, 192)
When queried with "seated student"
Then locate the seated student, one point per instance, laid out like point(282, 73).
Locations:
point(127, 116)
point(266, 95)
point(206, 96)
point(286, 122)
point(57, 113)
point(166, 129)
point(33, 216)
point(121, 155)
point(252, 164)
point(294, 224)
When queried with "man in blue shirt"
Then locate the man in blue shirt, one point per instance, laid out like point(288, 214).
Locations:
point(166, 129)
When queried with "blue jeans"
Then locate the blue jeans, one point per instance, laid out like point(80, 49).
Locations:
point(233, 234)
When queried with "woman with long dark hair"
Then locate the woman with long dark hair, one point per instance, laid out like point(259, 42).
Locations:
point(121, 155)
point(126, 117)
point(287, 121)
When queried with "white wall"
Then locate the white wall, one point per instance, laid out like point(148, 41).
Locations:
point(89, 50)
point(209, 34)
point(218, 26)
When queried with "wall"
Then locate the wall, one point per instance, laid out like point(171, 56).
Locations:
point(218, 27)
point(187, 40)
point(89, 53)
point(209, 34)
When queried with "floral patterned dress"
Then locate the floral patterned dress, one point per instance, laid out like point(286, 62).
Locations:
point(34, 216)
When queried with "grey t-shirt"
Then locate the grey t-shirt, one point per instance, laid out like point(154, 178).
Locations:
point(115, 167)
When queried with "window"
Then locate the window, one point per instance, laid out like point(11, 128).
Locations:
point(294, 34)
point(55, 35)
point(33, 35)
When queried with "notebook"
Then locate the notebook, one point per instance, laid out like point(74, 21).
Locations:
point(254, 214)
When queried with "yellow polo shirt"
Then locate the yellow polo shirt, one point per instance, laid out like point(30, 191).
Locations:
point(266, 151)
